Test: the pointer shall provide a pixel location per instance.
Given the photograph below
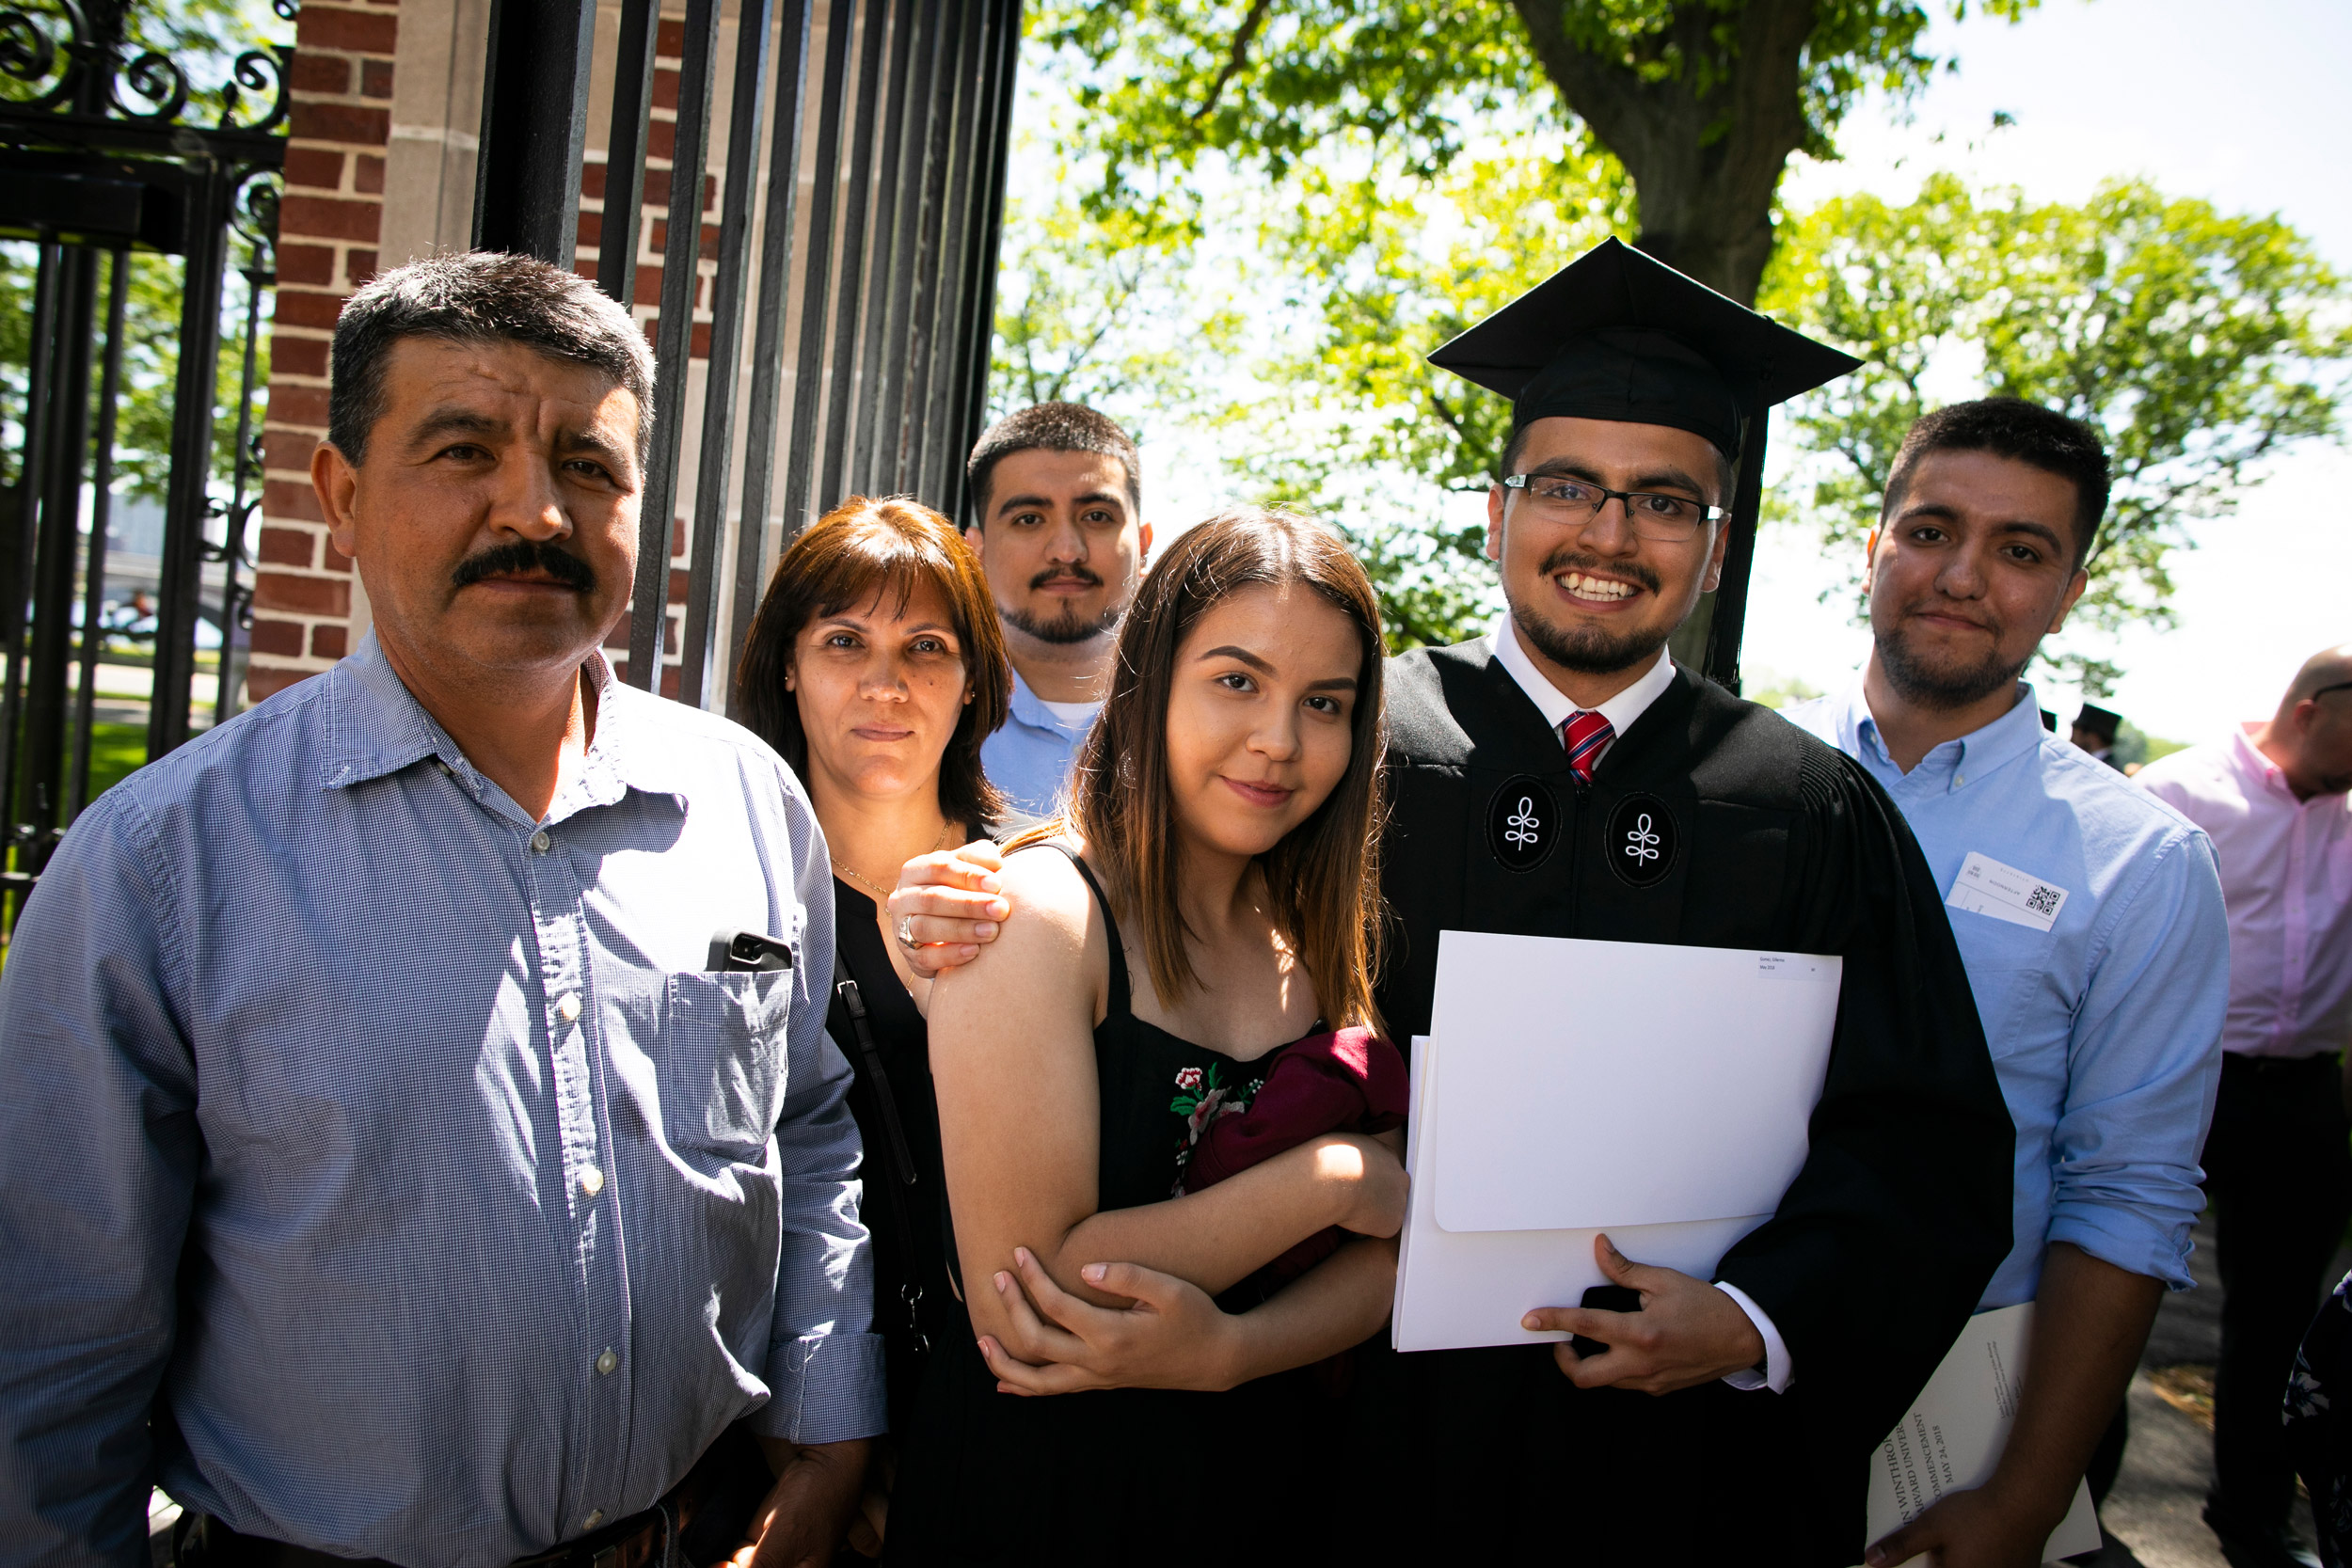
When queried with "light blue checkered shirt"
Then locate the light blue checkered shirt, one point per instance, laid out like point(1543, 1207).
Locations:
point(396, 1150)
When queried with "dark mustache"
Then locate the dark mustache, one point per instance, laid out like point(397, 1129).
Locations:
point(1067, 574)
point(527, 555)
point(1566, 559)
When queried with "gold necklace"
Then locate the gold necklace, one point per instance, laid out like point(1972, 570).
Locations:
point(881, 895)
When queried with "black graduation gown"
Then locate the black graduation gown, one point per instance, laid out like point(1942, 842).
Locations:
point(1744, 833)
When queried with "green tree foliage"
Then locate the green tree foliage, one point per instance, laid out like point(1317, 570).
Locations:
point(1357, 424)
point(1701, 101)
point(2199, 342)
point(201, 37)
point(150, 369)
point(1409, 165)
point(1095, 312)
point(204, 38)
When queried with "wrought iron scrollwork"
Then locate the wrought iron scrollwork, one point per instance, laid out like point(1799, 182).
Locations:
point(255, 70)
point(157, 79)
point(253, 212)
point(28, 54)
point(81, 58)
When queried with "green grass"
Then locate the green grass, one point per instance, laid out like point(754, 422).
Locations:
point(114, 751)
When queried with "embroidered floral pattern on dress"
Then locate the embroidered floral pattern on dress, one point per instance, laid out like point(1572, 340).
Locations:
point(1201, 1098)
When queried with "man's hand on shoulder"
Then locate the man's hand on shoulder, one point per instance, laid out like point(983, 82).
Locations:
point(808, 1511)
point(946, 904)
point(1685, 1333)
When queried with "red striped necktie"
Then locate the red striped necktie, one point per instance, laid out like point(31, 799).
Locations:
point(1586, 735)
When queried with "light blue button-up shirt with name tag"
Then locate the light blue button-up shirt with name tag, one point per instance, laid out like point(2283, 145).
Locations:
point(2090, 921)
point(399, 1152)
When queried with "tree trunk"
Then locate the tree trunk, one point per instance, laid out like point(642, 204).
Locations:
point(1704, 168)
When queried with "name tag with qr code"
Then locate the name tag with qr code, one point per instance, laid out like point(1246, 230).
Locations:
point(1987, 887)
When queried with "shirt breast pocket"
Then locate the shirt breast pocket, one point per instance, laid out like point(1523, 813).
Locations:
point(722, 1061)
point(2007, 964)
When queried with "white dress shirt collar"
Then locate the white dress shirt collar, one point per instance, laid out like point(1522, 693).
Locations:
point(1555, 705)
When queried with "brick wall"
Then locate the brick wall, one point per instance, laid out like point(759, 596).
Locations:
point(328, 227)
point(342, 91)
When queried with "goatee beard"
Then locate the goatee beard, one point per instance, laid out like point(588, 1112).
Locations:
point(1064, 628)
point(1943, 690)
point(1590, 651)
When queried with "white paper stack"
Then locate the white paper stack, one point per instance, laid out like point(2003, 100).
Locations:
point(1568, 1088)
point(1953, 1435)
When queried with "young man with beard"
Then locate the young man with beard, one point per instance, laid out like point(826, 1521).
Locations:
point(1731, 1419)
point(2090, 917)
point(1058, 492)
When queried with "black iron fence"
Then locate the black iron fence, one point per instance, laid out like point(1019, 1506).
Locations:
point(110, 155)
point(848, 333)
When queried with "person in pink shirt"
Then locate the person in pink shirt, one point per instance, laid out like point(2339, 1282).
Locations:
point(2272, 797)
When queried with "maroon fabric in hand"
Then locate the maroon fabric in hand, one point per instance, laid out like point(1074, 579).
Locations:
point(1348, 1081)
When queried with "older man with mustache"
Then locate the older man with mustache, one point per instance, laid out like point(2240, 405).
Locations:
point(2088, 916)
point(383, 1168)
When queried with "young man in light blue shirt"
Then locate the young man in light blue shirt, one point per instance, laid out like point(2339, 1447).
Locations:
point(2088, 915)
point(1058, 492)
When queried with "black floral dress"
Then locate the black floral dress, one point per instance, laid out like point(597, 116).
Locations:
point(1123, 1475)
point(2319, 1422)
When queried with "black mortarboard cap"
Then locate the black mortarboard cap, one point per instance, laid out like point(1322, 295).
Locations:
point(2098, 721)
point(1618, 335)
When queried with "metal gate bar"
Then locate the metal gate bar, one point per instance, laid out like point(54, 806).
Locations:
point(624, 152)
point(101, 518)
point(112, 150)
point(775, 287)
point(681, 283)
point(851, 286)
point(874, 387)
point(737, 196)
point(885, 264)
point(800, 463)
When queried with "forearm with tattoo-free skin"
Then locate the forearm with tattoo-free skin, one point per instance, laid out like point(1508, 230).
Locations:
point(2090, 1323)
point(1020, 1126)
point(1173, 1336)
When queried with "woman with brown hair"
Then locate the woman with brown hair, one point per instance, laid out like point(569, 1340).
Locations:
point(1208, 899)
point(876, 668)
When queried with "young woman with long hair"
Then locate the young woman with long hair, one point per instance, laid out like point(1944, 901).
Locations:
point(1208, 899)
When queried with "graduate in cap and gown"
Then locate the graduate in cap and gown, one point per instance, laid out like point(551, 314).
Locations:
point(1563, 777)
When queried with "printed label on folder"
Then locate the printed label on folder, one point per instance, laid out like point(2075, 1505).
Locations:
point(1987, 887)
point(1795, 966)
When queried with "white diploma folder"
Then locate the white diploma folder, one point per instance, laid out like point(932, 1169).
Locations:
point(1952, 1438)
point(1568, 1088)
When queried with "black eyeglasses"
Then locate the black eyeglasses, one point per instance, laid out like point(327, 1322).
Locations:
point(1668, 520)
point(2340, 686)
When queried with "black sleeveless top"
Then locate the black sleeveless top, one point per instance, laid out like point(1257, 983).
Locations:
point(905, 1203)
point(1123, 1475)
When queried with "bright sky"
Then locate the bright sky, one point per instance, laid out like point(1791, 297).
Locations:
point(2240, 104)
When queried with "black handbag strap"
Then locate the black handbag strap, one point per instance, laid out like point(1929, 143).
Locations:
point(896, 1160)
